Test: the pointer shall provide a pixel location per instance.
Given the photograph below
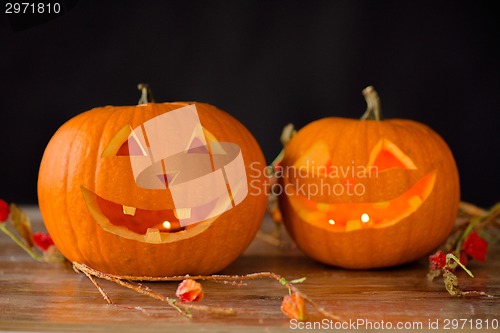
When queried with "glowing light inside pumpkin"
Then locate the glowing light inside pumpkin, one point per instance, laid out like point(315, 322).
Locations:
point(357, 215)
point(167, 225)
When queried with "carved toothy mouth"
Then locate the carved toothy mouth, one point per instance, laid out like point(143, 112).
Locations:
point(150, 226)
point(344, 217)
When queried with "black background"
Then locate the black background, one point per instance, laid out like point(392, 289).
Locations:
point(265, 62)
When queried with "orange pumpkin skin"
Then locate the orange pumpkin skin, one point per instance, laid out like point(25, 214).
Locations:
point(73, 159)
point(350, 143)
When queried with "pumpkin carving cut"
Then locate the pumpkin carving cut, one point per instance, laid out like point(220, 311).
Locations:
point(378, 192)
point(154, 189)
point(345, 217)
point(170, 151)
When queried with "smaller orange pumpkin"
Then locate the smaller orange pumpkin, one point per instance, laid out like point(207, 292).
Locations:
point(155, 189)
point(368, 193)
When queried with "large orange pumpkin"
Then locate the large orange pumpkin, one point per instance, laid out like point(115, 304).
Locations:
point(100, 211)
point(368, 193)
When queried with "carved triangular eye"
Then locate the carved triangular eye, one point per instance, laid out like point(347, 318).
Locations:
point(197, 146)
point(124, 143)
point(316, 158)
point(131, 147)
point(197, 143)
point(168, 178)
point(214, 145)
point(386, 155)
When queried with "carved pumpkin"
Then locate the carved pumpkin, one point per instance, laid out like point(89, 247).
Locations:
point(153, 189)
point(368, 193)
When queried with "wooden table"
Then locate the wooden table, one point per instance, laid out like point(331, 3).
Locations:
point(44, 297)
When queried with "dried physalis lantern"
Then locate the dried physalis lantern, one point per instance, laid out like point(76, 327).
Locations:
point(368, 193)
point(155, 189)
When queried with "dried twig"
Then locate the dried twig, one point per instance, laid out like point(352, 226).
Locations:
point(471, 209)
point(465, 244)
point(128, 282)
point(183, 309)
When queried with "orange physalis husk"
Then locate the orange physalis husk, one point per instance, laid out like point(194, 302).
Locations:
point(189, 291)
point(293, 306)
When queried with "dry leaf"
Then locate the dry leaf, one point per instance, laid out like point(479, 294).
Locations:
point(451, 283)
point(22, 223)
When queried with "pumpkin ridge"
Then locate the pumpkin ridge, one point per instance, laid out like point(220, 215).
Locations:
point(100, 241)
point(66, 204)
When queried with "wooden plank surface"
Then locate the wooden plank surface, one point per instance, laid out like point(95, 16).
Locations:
point(42, 297)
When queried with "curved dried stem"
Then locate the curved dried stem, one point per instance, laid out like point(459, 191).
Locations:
point(373, 105)
point(476, 220)
point(471, 209)
point(146, 94)
point(183, 309)
point(126, 281)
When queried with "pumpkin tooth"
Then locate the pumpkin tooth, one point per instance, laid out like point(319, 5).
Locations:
point(352, 225)
point(129, 210)
point(415, 201)
point(381, 204)
point(182, 213)
point(153, 236)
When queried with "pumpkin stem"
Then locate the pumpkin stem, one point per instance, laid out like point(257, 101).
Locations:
point(146, 94)
point(373, 108)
